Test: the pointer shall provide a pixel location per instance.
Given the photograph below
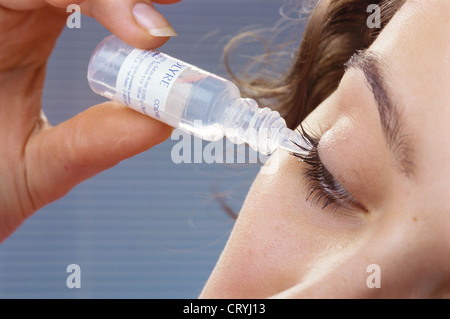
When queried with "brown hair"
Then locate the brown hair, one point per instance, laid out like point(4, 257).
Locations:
point(336, 29)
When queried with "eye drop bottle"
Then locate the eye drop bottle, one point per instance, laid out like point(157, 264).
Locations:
point(186, 97)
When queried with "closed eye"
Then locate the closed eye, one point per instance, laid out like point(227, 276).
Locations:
point(323, 188)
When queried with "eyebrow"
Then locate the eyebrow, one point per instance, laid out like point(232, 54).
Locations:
point(390, 116)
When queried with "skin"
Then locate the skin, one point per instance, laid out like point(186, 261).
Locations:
point(282, 245)
point(41, 163)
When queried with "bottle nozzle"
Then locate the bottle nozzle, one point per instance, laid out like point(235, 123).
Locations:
point(293, 142)
point(262, 129)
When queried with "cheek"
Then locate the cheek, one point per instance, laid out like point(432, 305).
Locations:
point(277, 238)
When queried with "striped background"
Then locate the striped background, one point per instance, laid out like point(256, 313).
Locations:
point(147, 228)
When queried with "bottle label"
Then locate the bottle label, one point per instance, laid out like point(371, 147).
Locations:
point(145, 79)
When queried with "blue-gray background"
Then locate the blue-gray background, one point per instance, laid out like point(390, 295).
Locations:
point(147, 228)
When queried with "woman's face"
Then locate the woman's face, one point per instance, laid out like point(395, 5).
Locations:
point(384, 137)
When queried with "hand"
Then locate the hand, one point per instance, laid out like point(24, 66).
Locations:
point(40, 163)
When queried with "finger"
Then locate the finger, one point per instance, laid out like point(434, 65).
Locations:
point(166, 1)
point(34, 4)
point(22, 4)
point(63, 3)
point(59, 158)
point(136, 22)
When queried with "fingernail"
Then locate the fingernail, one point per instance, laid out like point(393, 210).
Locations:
point(152, 21)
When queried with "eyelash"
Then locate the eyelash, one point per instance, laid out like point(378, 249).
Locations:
point(322, 186)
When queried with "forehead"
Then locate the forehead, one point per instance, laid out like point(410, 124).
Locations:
point(415, 46)
point(415, 49)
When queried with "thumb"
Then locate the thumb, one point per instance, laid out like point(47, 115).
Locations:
point(60, 157)
point(136, 22)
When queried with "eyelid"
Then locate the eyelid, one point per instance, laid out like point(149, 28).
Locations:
point(323, 186)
